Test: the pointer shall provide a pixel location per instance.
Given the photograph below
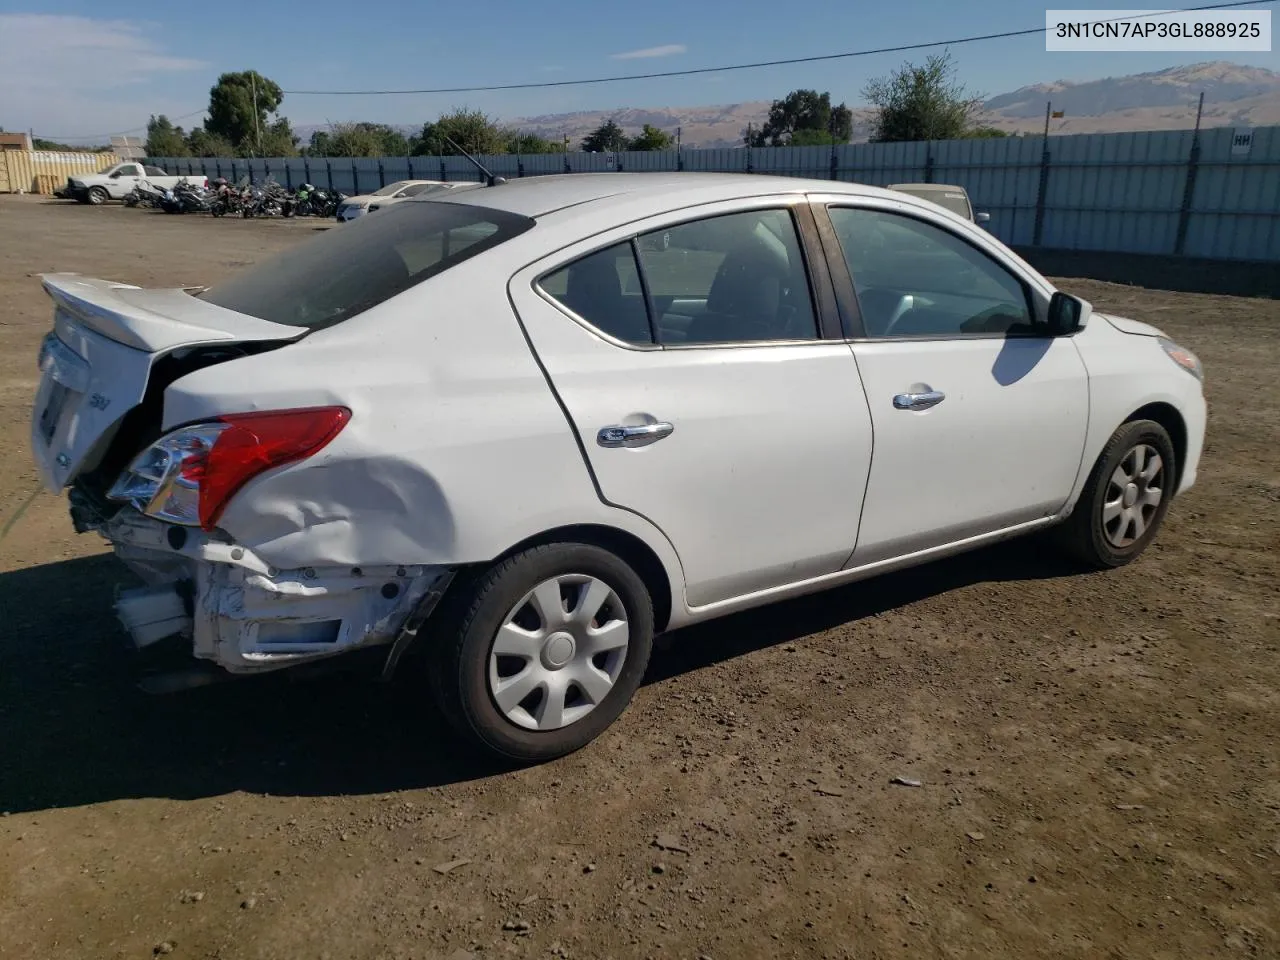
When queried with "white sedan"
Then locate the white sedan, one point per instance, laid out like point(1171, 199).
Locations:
point(526, 427)
point(358, 206)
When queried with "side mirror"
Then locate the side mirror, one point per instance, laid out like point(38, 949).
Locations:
point(981, 217)
point(1067, 314)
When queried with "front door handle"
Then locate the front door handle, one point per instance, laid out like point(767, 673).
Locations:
point(637, 436)
point(918, 401)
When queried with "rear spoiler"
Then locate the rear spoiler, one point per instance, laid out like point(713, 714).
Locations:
point(156, 321)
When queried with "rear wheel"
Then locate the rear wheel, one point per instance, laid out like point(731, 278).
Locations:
point(537, 656)
point(98, 196)
point(1125, 498)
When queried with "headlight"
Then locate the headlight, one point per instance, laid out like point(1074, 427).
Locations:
point(1184, 358)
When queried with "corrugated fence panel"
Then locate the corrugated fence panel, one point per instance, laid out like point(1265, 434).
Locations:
point(1108, 192)
point(1235, 210)
point(881, 164)
point(1000, 174)
point(43, 171)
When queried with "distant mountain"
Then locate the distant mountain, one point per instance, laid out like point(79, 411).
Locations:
point(1235, 95)
point(1221, 83)
point(719, 125)
point(1164, 100)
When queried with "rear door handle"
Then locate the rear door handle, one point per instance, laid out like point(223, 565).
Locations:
point(637, 436)
point(918, 401)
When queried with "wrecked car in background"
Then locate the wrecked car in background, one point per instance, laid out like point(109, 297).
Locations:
point(528, 426)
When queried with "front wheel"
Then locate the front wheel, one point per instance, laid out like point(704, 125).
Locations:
point(98, 196)
point(1125, 498)
point(537, 656)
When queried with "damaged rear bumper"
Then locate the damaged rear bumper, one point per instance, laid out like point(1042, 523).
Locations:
point(246, 616)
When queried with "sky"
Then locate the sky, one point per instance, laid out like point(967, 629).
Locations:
point(79, 71)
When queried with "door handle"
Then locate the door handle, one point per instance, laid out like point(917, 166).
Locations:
point(637, 436)
point(918, 401)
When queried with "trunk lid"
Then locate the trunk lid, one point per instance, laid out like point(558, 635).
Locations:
point(96, 364)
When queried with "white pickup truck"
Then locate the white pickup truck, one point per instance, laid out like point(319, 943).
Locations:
point(116, 183)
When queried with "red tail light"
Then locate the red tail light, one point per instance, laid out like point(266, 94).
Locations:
point(251, 443)
point(188, 475)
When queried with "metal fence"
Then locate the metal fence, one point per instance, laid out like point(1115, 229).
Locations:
point(1215, 194)
point(43, 171)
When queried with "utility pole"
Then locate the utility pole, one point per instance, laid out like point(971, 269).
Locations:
point(257, 131)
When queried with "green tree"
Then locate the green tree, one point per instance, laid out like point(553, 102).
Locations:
point(320, 144)
point(202, 143)
point(472, 130)
point(651, 138)
point(518, 142)
point(239, 107)
point(606, 138)
point(38, 143)
point(277, 140)
point(984, 133)
point(922, 103)
point(361, 139)
point(164, 139)
point(803, 118)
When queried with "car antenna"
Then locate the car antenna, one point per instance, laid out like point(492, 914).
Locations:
point(490, 179)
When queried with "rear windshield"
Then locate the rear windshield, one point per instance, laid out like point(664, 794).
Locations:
point(354, 266)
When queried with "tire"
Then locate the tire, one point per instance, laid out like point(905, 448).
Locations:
point(98, 196)
point(468, 679)
point(1101, 534)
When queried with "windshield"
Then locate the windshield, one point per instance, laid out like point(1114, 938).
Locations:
point(953, 200)
point(418, 188)
point(389, 189)
point(345, 271)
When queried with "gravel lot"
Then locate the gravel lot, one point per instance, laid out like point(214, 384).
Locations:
point(1099, 754)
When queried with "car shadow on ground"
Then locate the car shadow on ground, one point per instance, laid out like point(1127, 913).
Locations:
point(75, 729)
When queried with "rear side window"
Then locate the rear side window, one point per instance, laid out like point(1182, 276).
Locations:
point(604, 290)
point(728, 279)
point(354, 266)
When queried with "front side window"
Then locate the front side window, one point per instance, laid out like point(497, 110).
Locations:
point(342, 273)
point(914, 279)
point(128, 170)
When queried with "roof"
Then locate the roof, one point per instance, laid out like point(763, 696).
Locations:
point(539, 196)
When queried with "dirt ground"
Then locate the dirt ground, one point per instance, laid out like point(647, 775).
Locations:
point(1099, 755)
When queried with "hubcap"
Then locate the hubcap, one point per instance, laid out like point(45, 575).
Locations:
point(1133, 496)
point(559, 652)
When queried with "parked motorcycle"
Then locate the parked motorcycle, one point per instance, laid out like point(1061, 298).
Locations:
point(226, 198)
